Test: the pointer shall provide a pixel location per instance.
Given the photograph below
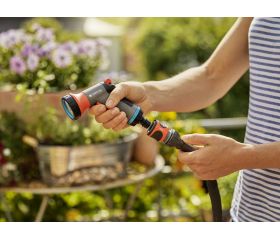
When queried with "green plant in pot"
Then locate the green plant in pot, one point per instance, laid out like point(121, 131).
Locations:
point(41, 58)
point(66, 147)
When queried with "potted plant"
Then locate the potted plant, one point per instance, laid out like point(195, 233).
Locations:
point(71, 153)
point(41, 59)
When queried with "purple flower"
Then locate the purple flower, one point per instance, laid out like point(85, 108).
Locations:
point(17, 65)
point(70, 46)
point(15, 36)
point(27, 38)
point(12, 37)
point(61, 58)
point(46, 49)
point(88, 47)
point(44, 34)
point(28, 49)
point(32, 62)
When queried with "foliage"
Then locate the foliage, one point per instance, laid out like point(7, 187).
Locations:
point(182, 195)
point(45, 23)
point(167, 46)
point(179, 192)
point(49, 129)
point(17, 161)
point(35, 57)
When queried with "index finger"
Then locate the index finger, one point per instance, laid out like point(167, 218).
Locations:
point(97, 109)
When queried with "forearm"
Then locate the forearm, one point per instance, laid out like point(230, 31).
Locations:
point(185, 92)
point(199, 87)
point(260, 156)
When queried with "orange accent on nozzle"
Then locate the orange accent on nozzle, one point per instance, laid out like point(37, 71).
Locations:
point(163, 130)
point(82, 101)
point(108, 81)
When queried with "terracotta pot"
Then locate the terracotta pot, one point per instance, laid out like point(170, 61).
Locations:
point(145, 149)
point(29, 106)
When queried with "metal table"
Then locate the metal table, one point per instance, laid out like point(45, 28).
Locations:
point(46, 192)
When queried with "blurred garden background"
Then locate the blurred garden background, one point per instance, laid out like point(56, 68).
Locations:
point(43, 58)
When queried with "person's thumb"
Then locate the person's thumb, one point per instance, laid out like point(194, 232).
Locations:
point(116, 95)
point(198, 139)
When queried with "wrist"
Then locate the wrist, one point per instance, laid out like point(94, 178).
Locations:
point(151, 91)
point(246, 156)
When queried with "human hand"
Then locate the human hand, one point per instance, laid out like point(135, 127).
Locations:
point(110, 116)
point(218, 156)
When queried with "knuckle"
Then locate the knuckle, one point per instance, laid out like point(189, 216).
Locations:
point(115, 121)
point(115, 111)
point(94, 110)
point(104, 117)
point(97, 110)
point(120, 89)
point(123, 85)
point(120, 125)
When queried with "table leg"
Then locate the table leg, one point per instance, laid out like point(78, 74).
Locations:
point(131, 199)
point(108, 200)
point(42, 208)
point(6, 208)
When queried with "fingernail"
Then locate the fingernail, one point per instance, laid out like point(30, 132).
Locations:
point(109, 103)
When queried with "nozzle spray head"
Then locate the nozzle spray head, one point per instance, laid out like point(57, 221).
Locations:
point(75, 105)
